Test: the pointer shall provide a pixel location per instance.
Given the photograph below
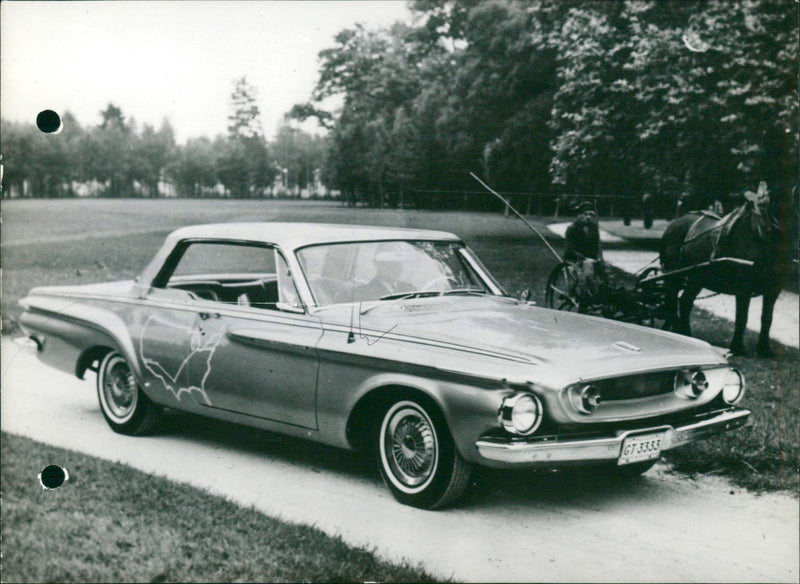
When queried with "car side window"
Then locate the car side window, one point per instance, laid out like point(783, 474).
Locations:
point(225, 258)
point(228, 272)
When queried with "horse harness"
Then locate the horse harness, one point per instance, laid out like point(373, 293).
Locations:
point(722, 226)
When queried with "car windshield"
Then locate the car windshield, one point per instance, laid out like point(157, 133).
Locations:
point(383, 270)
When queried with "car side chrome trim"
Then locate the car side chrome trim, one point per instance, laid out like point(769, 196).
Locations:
point(544, 453)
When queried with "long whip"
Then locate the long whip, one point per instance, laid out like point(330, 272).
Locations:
point(518, 214)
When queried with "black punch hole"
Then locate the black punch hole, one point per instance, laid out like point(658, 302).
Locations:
point(48, 121)
point(53, 476)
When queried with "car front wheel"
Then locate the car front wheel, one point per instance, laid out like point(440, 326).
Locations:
point(418, 459)
point(124, 405)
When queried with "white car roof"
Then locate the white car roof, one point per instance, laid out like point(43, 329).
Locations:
point(291, 236)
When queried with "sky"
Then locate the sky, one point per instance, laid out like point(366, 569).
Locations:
point(176, 60)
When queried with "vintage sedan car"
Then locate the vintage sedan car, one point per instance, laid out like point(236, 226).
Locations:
point(394, 341)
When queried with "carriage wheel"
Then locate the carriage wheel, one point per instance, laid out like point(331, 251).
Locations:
point(562, 289)
point(651, 297)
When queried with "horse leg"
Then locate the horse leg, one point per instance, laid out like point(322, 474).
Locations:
point(690, 292)
point(763, 349)
point(742, 308)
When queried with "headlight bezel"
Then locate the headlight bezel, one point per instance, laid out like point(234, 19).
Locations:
point(585, 398)
point(740, 388)
point(521, 404)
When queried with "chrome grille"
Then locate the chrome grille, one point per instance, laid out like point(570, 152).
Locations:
point(635, 386)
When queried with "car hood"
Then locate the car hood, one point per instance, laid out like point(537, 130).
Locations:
point(580, 346)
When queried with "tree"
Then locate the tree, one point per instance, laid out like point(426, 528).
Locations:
point(371, 74)
point(232, 167)
point(73, 160)
point(45, 163)
point(503, 85)
point(154, 152)
point(108, 150)
point(194, 167)
point(245, 118)
point(243, 162)
point(402, 158)
point(18, 147)
point(424, 105)
point(299, 153)
point(671, 97)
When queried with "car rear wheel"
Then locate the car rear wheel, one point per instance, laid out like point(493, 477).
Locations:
point(124, 405)
point(418, 459)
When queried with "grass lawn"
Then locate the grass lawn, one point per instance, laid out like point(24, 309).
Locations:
point(59, 242)
point(765, 454)
point(111, 523)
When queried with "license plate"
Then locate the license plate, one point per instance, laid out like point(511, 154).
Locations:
point(639, 448)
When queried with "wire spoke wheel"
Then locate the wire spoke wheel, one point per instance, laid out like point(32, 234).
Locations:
point(119, 389)
point(418, 459)
point(411, 447)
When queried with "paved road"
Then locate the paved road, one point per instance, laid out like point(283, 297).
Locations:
point(513, 526)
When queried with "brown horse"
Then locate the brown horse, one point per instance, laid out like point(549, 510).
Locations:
point(746, 247)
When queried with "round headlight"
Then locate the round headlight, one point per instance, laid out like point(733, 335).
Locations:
point(521, 413)
point(586, 398)
point(699, 383)
point(690, 383)
point(733, 390)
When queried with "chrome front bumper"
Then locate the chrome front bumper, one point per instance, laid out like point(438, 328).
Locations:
point(543, 452)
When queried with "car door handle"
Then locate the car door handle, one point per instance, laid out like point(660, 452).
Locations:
point(207, 315)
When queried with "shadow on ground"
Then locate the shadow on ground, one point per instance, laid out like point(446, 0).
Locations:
point(488, 487)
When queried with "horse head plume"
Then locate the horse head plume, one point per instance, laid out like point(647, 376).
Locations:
point(759, 199)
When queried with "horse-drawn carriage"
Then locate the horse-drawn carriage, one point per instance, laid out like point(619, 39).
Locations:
point(568, 289)
point(742, 253)
point(644, 303)
point(737, 254)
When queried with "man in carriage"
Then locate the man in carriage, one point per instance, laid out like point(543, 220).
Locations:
point(582, 249)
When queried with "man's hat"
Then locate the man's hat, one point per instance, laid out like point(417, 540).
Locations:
point(586, 206)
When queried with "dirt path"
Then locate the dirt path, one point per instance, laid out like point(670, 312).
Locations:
point(513, 527)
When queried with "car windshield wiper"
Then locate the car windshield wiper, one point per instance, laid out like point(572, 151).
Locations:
point(465, 291)
point(427, 294)
point(402, 296)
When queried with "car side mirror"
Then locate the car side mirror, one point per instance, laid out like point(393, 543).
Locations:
point(525, 295)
